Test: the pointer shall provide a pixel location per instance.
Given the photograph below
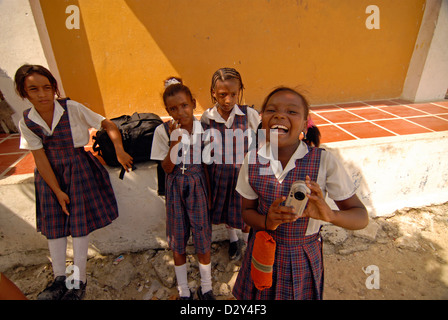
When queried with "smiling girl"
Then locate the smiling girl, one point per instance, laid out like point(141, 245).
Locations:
point(297, 271)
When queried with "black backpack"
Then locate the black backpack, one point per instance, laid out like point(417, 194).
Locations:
point(137, 132)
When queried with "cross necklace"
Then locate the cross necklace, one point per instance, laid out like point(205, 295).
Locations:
point(184, 152)
point(183, 163)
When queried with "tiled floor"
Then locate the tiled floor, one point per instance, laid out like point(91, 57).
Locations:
point(336, 122)
point(371, 119)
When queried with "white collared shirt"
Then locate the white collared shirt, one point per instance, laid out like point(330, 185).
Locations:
point(253, 117)
point(332, 177)
point(81, 120)
point(160, 145)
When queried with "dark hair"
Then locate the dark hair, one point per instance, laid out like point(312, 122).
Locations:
point(26, 70)
point(174, 88)
point(224, 74)
point(313, 134)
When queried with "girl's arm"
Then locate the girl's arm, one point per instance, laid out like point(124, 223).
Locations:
point(277, 215)
point(115, 136)
point(351, 215)
point(47, 173)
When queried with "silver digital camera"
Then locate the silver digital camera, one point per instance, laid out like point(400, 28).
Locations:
point(297, 198)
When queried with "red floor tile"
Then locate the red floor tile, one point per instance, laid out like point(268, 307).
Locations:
point(430, 108)
point(10, 145)
point(317, 119)
point(6, 160)
point(401, 126)
point(332, 134)
point(432, 123)
point(442, 103)
point(372, 114)
point(365, 130)
point(339, 116)
point(24, 166)
point(403, 111)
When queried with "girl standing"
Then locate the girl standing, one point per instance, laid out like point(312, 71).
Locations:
point(178, 144)
point(227, 116)
point(74, 195)
point(264, 182)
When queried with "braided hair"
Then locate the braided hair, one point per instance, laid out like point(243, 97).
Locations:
point(224, 74)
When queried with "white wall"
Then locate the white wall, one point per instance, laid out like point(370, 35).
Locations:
point(19, 44)
point(427, 78)
point(396, 172)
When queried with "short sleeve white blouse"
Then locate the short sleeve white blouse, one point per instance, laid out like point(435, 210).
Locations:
point(81, 120)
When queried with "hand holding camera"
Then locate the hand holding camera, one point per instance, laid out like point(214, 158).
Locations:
point(297, 197)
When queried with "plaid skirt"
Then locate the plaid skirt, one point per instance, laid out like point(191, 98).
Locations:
point(187, 210)
point(226, 201)
point(92, 201)
point(297, 272)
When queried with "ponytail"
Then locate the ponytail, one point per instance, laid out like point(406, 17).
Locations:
point(312, 135)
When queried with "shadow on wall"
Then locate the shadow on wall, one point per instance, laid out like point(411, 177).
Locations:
point(15, 102)
point(76, 64)
point(198, 40)
point(281, 43)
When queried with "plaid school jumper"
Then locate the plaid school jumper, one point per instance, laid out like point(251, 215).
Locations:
point(187, 203)
point(81, 176)
point(298, 266)
point(226, 202)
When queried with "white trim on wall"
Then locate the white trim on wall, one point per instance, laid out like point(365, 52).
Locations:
point(46, 42)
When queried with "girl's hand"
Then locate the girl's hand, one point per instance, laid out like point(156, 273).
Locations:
point(317, 207)
point(278, 214)
point(125, 159)
point(173, 125)
point(63, 200)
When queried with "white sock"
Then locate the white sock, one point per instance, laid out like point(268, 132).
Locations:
point(232, 234)
point(182, 281)
point(58, 248)
point(80, 248)
point(206, 277)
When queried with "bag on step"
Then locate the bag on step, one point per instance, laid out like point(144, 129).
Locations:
point(137, 132)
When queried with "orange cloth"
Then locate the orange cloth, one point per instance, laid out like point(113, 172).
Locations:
point(263, 256)
point(8, 290)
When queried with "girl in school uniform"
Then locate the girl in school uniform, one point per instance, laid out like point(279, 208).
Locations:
point(264, 183)
point(228, 115)
point(178, 144)
point(74, 195)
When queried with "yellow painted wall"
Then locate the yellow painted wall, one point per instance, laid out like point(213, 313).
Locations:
point(117, 61)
